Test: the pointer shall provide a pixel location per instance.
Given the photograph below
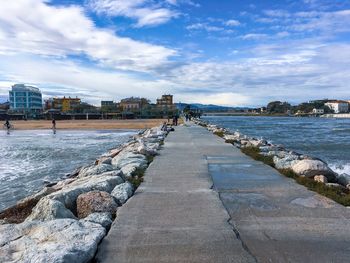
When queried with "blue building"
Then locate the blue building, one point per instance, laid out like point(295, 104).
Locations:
point(25, 99)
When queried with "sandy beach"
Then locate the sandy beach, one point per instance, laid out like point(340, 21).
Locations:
point(87, 124)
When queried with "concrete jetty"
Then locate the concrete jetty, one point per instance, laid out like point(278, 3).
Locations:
point(204, 201)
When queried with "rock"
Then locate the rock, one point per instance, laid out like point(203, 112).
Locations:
point(271, 148)
point(320, 179)
point(44, 192)
point(129, 162)
point(143, 149)
point(257, 143)
point(55, 241)
point(285, 163)
point(279, 154)
point(310, 168)
point(48, 209)
point(113, 173)
point(104, 219)
point(95, 201)
point(123, 192)
point(95, 169)
point(127, 157)
point(104, 160)
point(69, 194)
point(74, 173)
point(343, 179)
point(63, 183)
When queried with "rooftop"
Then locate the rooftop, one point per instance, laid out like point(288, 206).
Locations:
point(24, 87)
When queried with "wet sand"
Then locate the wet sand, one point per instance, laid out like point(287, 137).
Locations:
point(87, 124)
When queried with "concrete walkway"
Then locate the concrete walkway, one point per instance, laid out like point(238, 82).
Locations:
point(176, 217)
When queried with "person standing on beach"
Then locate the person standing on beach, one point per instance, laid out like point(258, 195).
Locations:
point(7, 126)
point(54, 126)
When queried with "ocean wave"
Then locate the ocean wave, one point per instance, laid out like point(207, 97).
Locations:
point(341, 129)
point(341, 168)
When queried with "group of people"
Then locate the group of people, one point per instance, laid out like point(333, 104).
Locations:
point(8, 126)
point(188, 117)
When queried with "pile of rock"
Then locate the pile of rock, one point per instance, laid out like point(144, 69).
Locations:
point(72, 216)
point(283, 159)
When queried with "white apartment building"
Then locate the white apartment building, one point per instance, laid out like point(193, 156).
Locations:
point(338, 106)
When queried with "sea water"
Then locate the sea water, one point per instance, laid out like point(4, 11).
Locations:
point(28, 159)
point(327, 139)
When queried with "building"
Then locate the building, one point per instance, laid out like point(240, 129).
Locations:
point(5, 106)
point(165, 102)
point(25, 99)
point(133, 104)
point(65, 104)
point(338, 106)
point(318, 111)
point(107, 103)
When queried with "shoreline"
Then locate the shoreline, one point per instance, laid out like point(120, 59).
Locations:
point(81, 207)
point(136, 124)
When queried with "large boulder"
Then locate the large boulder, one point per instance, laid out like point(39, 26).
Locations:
point(55, 241)
point(95, 169)
point(104, 219)
point(48, 209)
point(145, 150)
point(95, 201)
point(344, 179)
point(310, 168)
point(127, 157)
point(285, 163)
point(69, 194)
point(123, 192)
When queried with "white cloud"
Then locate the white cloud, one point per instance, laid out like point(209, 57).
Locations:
point(63, 77)
point(254, 36)
point(144, 11)
point(204, 26)
point(232, 22)
point(32, 26)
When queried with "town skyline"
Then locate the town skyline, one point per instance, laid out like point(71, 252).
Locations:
point(245, 53)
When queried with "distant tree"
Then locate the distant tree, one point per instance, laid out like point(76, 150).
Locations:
point(278, 107)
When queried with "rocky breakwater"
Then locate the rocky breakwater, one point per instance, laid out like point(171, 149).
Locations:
point(66, 221)
point(309, 171)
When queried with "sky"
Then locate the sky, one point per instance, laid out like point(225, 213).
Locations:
point(224, 52)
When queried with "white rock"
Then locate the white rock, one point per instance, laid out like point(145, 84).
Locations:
point(123, 192)
point(310, 168)
point(95, 169)
point(127, 158)
point(104, 219)
point(144, 150)
point(55, 241)
point(321, 179)
point(285, 163)
point(48, 209)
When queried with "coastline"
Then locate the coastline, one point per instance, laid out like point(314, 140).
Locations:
point(88, 124)
point(81, 207)
point(312, 172)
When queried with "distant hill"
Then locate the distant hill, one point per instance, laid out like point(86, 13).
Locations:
point(208, 107)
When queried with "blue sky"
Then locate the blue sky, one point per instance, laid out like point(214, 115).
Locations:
point(239, 53)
